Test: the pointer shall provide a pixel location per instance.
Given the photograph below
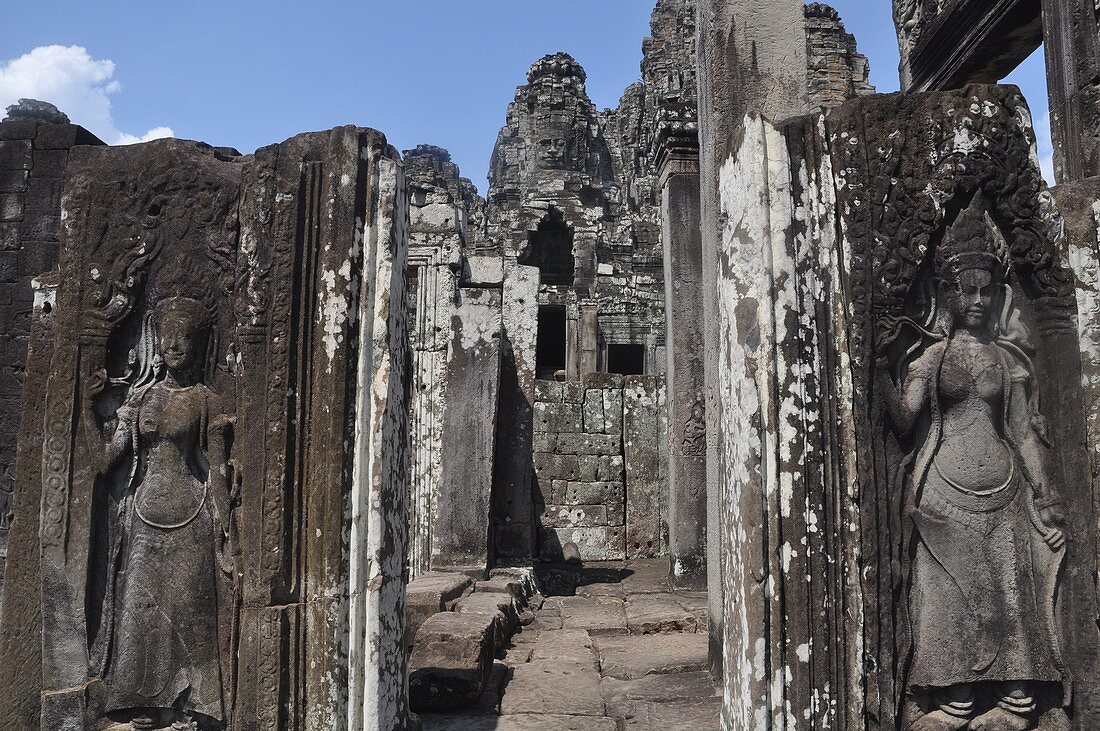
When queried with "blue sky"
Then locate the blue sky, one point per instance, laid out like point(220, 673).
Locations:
point(245, 73)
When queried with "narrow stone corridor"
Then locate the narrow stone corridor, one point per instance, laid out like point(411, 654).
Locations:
point(609, 647)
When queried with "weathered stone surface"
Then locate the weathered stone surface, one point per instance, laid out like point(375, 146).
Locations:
point(461, 532)
point(948, 45)
point(32, 173)
point(173, 335)
point(877, 331)
point(451, 661)
point(687, 439)
point(600, 616)
point(595, 544)
point(684, 700)
point(553, 687)
point(756, 68)
point(837, 70)
point(429, 595)
point(653, 613)
point(634, 656)
point(646, 488)
point(1071, 34)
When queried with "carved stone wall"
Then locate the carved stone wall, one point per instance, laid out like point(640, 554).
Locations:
point(35, 139)
point(1072, 37)
point(846, 345)
point(223, 476)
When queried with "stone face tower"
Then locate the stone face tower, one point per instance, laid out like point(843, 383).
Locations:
point(556, 201)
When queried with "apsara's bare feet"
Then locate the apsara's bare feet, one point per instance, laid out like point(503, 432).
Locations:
point(939, 721)
point(999, 719)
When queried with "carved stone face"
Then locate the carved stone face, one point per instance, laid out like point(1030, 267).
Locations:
point(971, 298)
point(179, 340)
point(553, 152)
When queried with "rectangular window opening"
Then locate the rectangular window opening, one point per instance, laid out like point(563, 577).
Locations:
point(550, 345)
point(626, 360)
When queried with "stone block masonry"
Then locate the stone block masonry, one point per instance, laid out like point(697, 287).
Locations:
point(599, 475)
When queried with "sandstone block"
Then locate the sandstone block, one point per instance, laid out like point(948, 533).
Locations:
point(431, 594)
point(593, 412)
point(574, 516)
point(451, 661)
point(573, 392)
point(560, 418)
point(593, 493)
point(603, 381)
point(560, 466)
point(548, 392)
point(635, 656)
point(553, 686)
point(653, 613)
point(495, 604)
point(588, 444)
point(605, 543)
point(503, 584)
point(600, 616)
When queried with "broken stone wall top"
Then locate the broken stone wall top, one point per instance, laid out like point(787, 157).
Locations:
point(837, 70)
point(446, 207)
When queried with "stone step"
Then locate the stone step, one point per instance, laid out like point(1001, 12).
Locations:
point(429, 595)
point(451, 661)
point(496, 604)
point(654, 613)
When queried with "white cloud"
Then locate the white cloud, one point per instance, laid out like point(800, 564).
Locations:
point(79, 85)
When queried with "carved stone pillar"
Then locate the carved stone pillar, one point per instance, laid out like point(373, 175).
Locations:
point(589, 339)
point(903, 396)
point(513, 501)
point(678, 162)
point(751, 57)
point(461, 536)
point(1071, 30)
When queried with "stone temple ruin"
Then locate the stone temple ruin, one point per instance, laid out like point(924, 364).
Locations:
point(762, 401)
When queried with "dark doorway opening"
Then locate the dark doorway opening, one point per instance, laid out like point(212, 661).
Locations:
point(626, 360)
point(550, 248)
point(550, 344)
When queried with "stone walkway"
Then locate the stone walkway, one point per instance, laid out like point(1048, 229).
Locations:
point(610, 648)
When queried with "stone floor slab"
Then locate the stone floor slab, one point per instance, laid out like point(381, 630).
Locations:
point(573, 646)
point(522, 722)
point(553, 687)
point(598, 617)
point(635, 656)
point(653, 613)
point(685, 716)
point(556, 722)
